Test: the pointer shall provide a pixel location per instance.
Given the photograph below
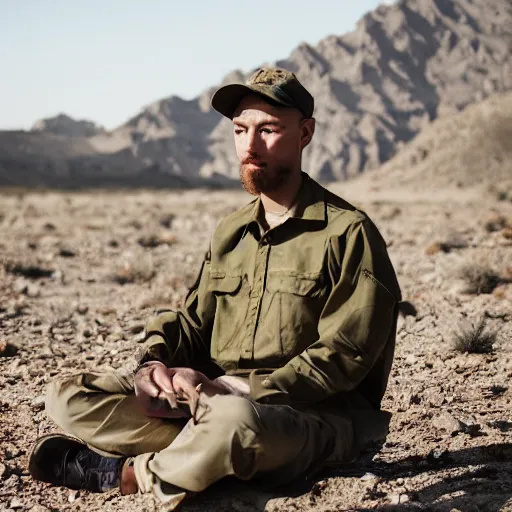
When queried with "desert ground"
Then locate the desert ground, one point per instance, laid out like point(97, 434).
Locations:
point(81, 273)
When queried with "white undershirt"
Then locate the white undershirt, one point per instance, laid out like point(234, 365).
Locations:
point(274, 219)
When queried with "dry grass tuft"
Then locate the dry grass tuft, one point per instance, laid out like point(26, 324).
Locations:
point(495, 222)
point(447, 246)
point(474, 338)
point(167, 220)
point(479, 278)
point(434, 248)
point(502, 192)
point(156, 239)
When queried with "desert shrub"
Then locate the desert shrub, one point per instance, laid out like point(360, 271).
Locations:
point(495, 222)
point(453, 242)
point(167, 220)
point(479, 278)
point(507, 233)
point(156, 239)
point(474, 337)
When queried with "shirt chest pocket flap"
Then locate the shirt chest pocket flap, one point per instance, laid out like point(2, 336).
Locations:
point(222, 283)
point(304, 285)
point(230, 294)
point(299, 300)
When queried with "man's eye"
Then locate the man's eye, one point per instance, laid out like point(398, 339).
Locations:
point(238, 131)
point(267, 130)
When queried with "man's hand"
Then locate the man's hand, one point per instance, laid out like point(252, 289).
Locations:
point(153, 386)
point(172, 392)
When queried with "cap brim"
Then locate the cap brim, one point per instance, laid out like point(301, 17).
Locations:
point(227, 98)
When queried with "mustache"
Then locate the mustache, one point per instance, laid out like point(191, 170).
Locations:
point(253, 161)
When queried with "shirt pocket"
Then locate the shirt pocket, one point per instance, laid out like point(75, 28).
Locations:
point(231, 296)
point(299, 300)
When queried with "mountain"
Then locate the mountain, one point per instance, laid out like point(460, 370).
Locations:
point(376, 88)
point(462, 150)
point(65, 125)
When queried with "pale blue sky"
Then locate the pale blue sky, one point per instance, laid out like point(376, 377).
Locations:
point(104, 60)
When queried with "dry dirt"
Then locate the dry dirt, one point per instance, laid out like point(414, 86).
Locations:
point(81, 273)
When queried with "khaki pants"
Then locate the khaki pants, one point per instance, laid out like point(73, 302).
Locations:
point(233, 435)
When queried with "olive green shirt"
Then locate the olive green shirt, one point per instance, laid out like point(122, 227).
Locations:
point(306, 310)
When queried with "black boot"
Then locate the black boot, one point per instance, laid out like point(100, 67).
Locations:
point(66, 461)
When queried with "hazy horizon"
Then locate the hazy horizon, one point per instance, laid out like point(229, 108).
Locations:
point(105, 61)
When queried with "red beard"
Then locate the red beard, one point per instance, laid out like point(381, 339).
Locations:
point(262, 179)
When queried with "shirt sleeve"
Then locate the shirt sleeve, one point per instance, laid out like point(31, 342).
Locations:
point(182, 338)
point(356, 322)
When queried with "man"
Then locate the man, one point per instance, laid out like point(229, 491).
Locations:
point(278, 361)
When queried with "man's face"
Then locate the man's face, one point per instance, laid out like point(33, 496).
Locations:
point(269, 142)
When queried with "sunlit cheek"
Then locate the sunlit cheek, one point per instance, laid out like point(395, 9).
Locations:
point(275, 144)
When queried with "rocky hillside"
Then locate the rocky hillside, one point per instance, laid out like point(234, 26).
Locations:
point(62, 124)
point(462, 150)
point(376, 88)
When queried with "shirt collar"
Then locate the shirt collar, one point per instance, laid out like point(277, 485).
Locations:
point(310, 204)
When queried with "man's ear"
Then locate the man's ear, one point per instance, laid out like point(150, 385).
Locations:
point(307, 131)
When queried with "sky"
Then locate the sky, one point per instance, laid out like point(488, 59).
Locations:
point(104, 60)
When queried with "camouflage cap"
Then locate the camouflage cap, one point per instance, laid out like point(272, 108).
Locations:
point(277, 85)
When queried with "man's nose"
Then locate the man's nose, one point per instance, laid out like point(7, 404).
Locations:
point(251, 142)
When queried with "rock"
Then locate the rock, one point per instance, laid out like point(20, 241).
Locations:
point(406, 308)
point(20, 286)
point(368, 476)
point(7, 349)
point(38, 402)
point(3, 469)
point(48, 226)
point(472, 429)
point(435, 397)
point(319, 487)
point(394, 499)
point(445, 421)
point(136, 328)
point(65, 252)
point(502, 425)
point(33, 291)
point(73, 496)
point(38, 508)
point(28, 270)
point(410, 360)
point(82, 309)
point(16, 503)
point(12, 482)
point(12, 452)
